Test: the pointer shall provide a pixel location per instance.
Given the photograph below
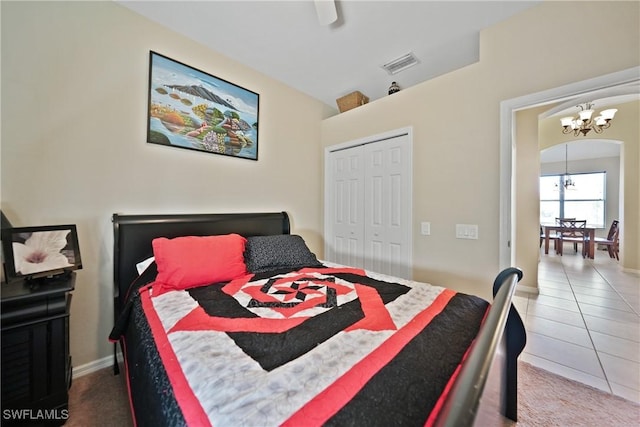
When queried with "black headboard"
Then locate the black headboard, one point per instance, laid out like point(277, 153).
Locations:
point(133, 235)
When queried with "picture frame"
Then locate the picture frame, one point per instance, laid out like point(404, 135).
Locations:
point(41, 251)
point(191, 109)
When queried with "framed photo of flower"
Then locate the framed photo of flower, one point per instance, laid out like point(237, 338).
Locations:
point(191, 109)
point(44, 251)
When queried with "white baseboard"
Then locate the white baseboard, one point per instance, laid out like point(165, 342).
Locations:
point(528, 289)
point(96, 365)
point(632, 271)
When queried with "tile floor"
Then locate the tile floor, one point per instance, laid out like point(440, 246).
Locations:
point(585, 323)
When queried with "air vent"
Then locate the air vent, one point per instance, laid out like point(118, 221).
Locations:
point(402, 63)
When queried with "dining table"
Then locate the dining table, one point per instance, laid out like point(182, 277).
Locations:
point(591, 231)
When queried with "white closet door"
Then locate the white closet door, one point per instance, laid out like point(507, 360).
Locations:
point(368, 205)
point(387, 207)
point(347, 216)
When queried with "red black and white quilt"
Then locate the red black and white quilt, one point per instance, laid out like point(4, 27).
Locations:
point(316, 346)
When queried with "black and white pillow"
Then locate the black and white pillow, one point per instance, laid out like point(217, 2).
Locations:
point(282, 251)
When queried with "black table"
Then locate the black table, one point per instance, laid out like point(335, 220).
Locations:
point(36, 364)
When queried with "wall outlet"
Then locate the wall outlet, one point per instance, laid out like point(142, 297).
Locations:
point(467, 231)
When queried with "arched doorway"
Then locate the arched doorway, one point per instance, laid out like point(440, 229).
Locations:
point(627, 81)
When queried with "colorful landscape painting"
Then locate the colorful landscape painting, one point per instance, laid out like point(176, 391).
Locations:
point(195, 110)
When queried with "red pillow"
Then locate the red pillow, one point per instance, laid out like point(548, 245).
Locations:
point(185, 262)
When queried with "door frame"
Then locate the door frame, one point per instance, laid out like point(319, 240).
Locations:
point(508, 143)
point(328, 200)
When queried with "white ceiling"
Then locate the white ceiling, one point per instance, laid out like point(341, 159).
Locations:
point(284, 40)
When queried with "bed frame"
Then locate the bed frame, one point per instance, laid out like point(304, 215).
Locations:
point(486, 386)
point(132, 236)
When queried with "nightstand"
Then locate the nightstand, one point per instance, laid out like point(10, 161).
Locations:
point(36, 364)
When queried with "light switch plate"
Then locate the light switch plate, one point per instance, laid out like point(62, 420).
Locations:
point(425, 228)
point(467, 231)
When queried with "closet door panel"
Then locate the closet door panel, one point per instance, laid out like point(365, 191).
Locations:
point(376, 205)
point(387, 200)
point(348, 201)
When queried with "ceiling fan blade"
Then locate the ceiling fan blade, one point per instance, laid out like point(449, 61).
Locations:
point(326, 10)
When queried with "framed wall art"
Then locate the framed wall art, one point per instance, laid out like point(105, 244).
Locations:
point(191, 109)
point(42, 251)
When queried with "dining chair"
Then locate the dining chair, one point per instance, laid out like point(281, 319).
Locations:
point(574, 231)
point(559, 222)
point(552, 236)
point(612, 240)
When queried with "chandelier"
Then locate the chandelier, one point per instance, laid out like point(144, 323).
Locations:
point(584, 123)
point(567, 182)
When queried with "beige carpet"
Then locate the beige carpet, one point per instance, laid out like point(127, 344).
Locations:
point(546, 399)
point(100, 399)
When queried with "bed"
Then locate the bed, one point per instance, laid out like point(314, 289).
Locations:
point(274, 336)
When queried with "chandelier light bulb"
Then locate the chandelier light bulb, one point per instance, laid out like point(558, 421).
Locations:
point(566, 121)
point(585, 115)
point(569, 183)
point(608, 114)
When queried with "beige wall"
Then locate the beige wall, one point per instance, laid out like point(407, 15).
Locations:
point(526, 217)
point(74, 105)
point(456, 121)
